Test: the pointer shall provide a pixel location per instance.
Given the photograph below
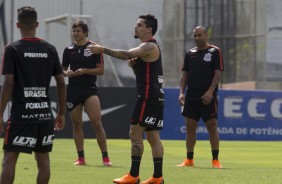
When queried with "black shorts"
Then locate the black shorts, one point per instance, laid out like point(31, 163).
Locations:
point(148, 114)
point(195, 109)
point(26, 138)
point(77, 96)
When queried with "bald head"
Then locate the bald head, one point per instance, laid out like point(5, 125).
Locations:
point(200, 28)
point(201, 37)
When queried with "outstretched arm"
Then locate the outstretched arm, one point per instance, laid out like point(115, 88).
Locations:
point(142, 50)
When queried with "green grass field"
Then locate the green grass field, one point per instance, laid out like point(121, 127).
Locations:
point(244, 162)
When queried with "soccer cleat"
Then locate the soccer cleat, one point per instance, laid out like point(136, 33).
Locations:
point(216, 164)
point(127, 179)
point(80, 161)
point(153, 180)
point(187, 163)
point(107, 162)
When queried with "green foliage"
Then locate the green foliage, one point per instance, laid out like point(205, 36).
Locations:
point(244, 163)
point(209, 33)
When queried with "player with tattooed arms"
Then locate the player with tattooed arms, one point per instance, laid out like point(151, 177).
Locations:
point(147, 114)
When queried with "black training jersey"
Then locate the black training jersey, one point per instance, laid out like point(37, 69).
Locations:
point(200, 66)
point(149, 79)
point(33, 62)
point(77, 57)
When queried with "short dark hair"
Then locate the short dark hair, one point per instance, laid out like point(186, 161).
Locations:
point(150, 21)
point(27, 16)
point(82, 24)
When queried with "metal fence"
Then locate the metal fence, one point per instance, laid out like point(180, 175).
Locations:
point(237, 27)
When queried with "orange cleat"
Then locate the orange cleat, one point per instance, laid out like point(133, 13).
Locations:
point(153, 180)
point(107, 162)
point(80, 161)
point(216, 164)
point(187, 163)
point(127, 179)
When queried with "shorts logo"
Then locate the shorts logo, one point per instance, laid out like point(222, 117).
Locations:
point(150, 120)
point(160, 123)
point(207, 57)
point(47, 140)
point(161, 79)
point(24, 141)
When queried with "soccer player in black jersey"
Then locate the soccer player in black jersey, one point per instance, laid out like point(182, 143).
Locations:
point(28, 66)
point(201, 74)
point(147, 114)
point(82, 68)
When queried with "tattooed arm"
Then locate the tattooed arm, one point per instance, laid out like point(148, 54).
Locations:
point(142, 50)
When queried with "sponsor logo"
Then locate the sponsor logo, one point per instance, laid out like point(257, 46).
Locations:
point(104, 111)
point(24, 141)
point(150, 120)
point(42, 116)
point(85, 117)
point(193, 50)
point(211, 50)
point(256, 107)
point(41, 105)
point(35, 55)
point(207, 57)
point(35, 92)
point(48, 140)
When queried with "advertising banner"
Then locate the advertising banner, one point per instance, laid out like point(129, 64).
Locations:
point(242, 115)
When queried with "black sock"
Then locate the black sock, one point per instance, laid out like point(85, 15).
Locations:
point(158, 167)
point(105, 154)
point(135, 166)
point(80, 154)
point(215, 154)
point(190, 155)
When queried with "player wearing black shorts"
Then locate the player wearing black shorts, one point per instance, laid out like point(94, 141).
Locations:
point(148, 111)
point(201, 74)
point(82, 69)
point(28, 66)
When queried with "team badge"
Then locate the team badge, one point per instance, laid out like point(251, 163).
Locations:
point(87, 53)
point(207, 57)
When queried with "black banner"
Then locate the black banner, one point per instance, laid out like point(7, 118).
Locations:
point(116, 107)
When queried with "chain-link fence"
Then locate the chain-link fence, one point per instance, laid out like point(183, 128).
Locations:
point(237, 27)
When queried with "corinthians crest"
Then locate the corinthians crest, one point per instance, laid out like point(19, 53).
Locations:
point(207, 57)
